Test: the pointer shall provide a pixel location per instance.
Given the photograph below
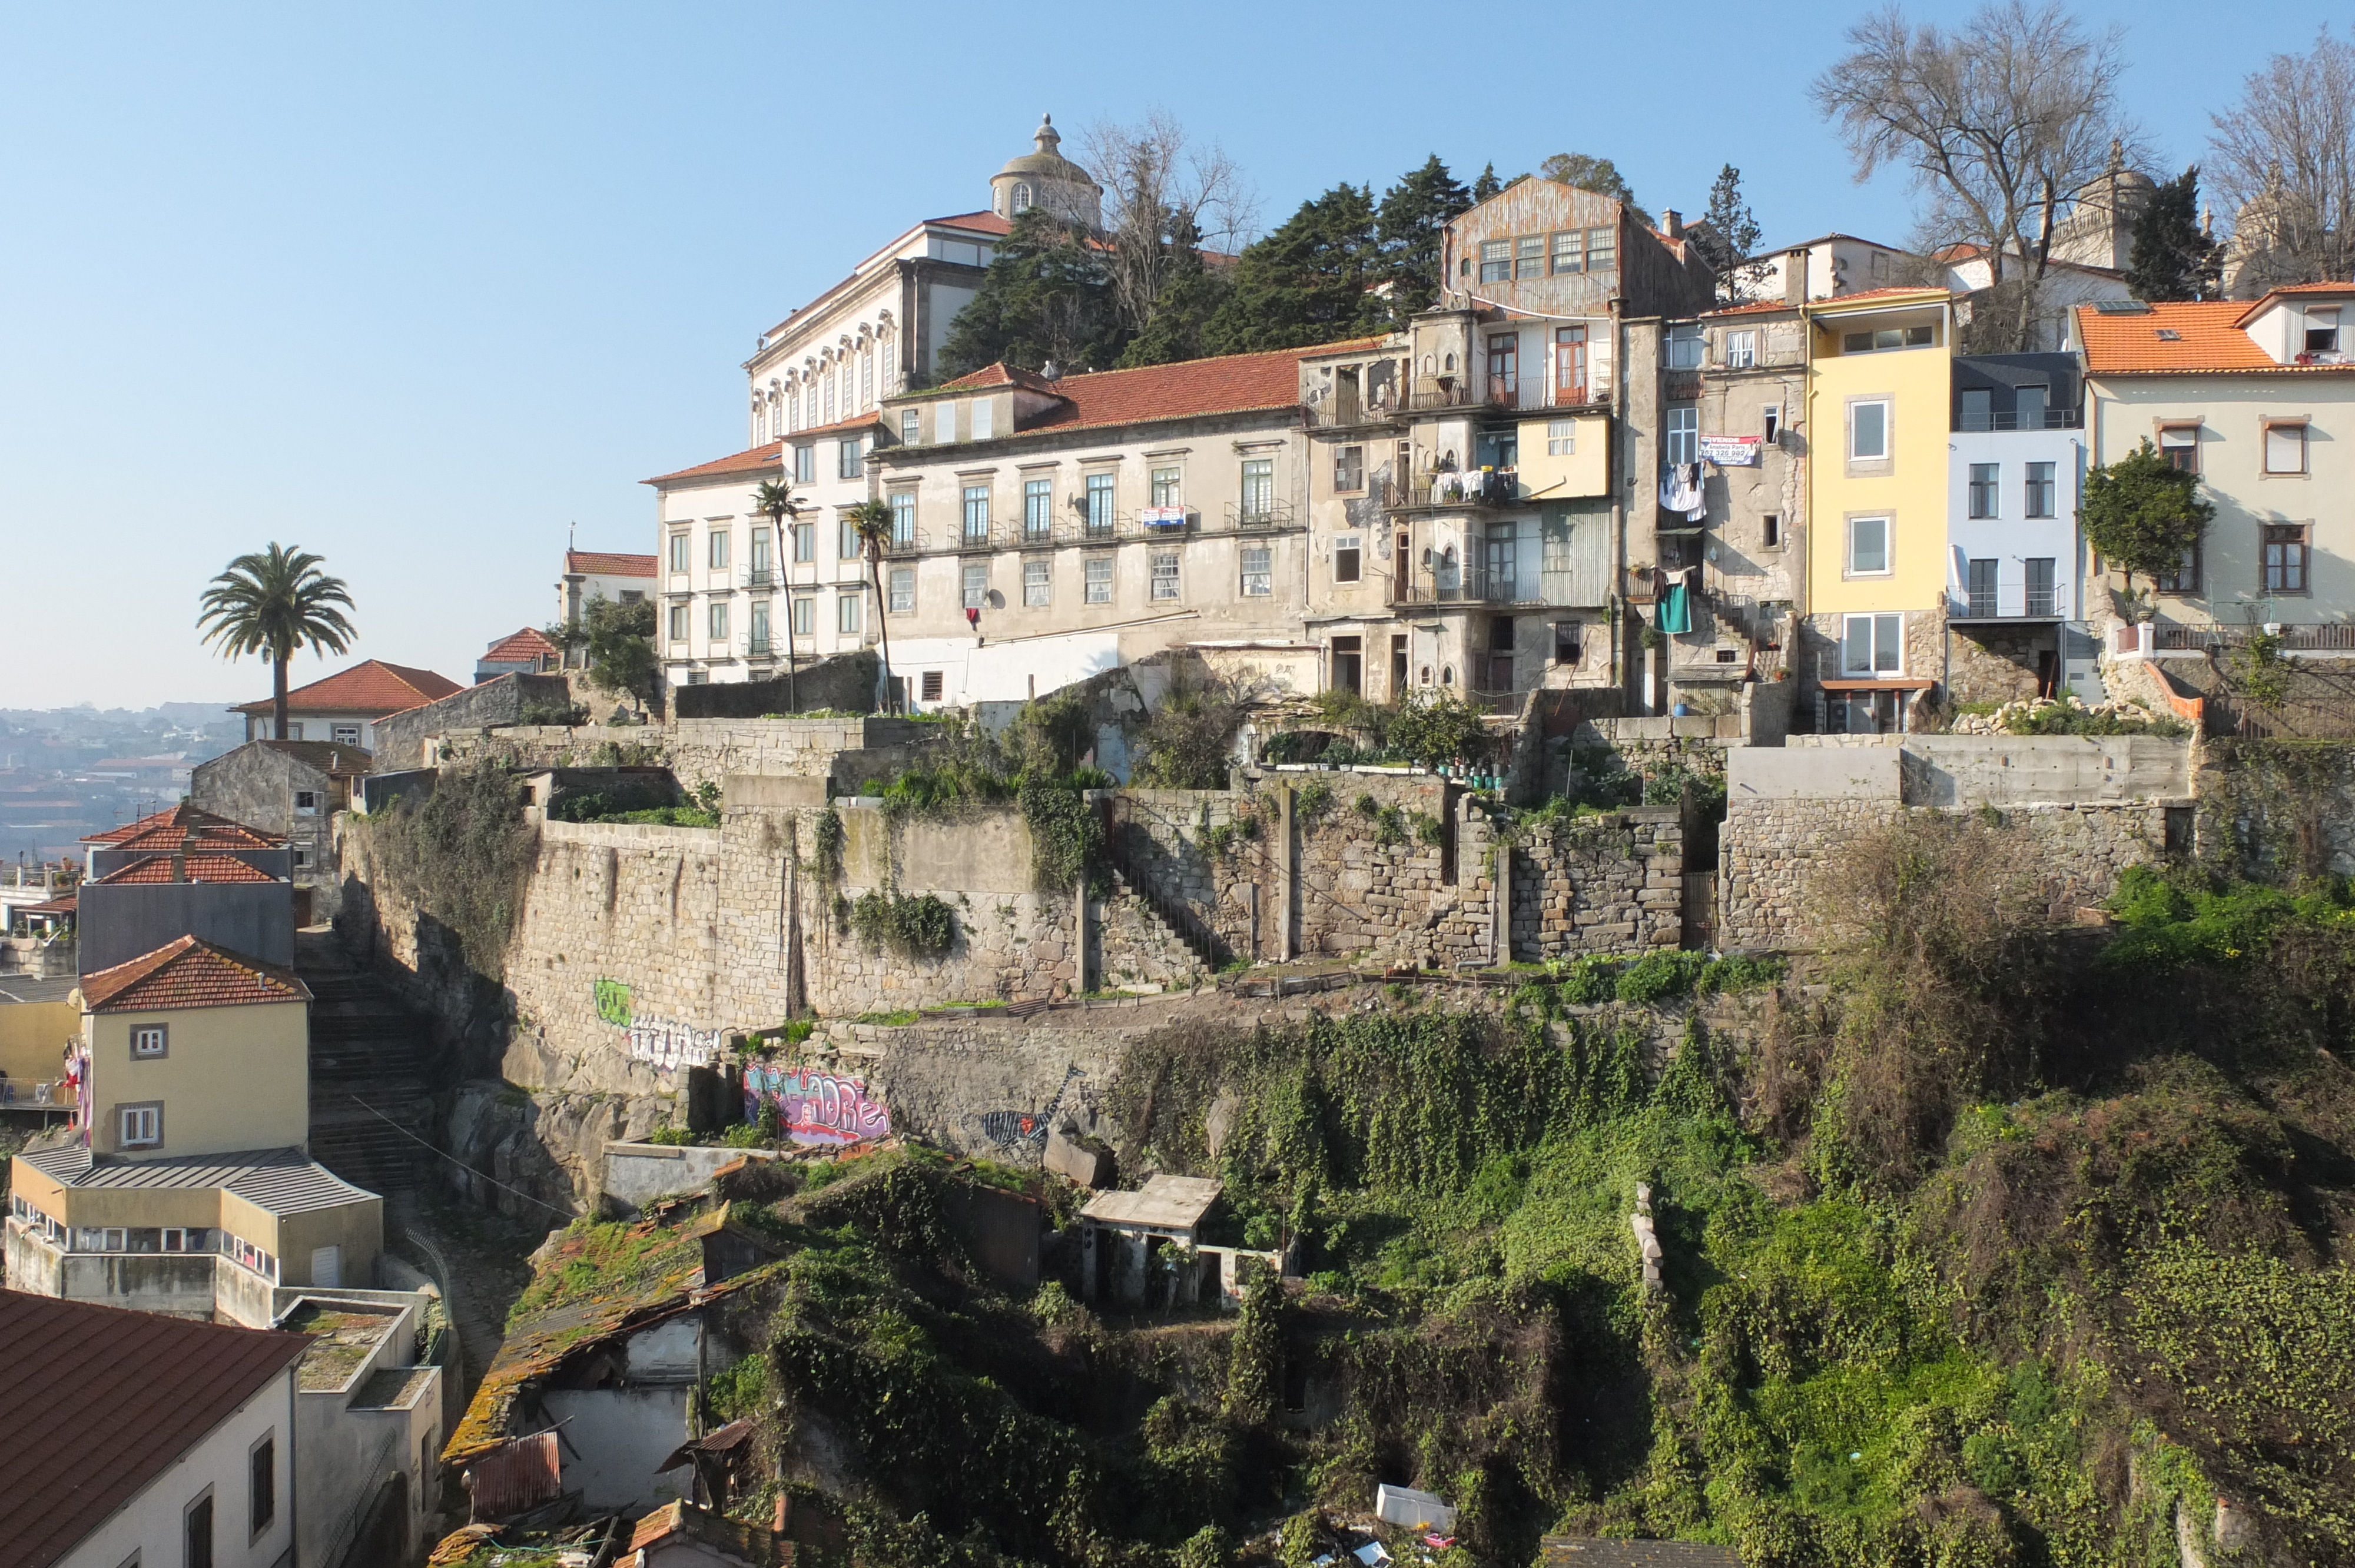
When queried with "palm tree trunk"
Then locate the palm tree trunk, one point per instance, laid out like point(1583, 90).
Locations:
point(883, 630)
point(278, 696)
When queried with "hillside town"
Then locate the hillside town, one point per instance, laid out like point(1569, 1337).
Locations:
point(1499, 878)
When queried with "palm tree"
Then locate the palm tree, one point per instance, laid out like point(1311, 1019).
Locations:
point(872, 519)
point(271, 605)
point(774, 497)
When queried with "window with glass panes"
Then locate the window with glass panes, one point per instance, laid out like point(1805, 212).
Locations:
point(1528, 256)
point(1983, 488)
point(2286, 548)
point(845, 611)
point(1685, 347)
point(1570, 251)
point(1873, 645)
point(1038, 584)
point(2041, 495)
point(758, 631)
point(848, 545)
point(903, 519)
point(1164, 576)
point(1348, 468)
point(1868, 547)
point(678, 623)
point(976, 515)
point(718, 623)
point(1098, 575)
point(1259, 488)
point(850, 457)
point(716, 548)
point(1037, 508)
point(912, 426)
point(1259, 580)
point(2042, 578)
point(1681, 442)
point(1602, 249)
point(1496, 262)
point(1348, 558)
point(1981, 587)
point(804, 617)
point(976, 587)
point(680, 552)
point(1100, 517)
point(804, 542)
point(1166, 488)
point(805, 464)
point(904, 590)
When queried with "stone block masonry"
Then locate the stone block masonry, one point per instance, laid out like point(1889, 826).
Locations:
point(850, 753)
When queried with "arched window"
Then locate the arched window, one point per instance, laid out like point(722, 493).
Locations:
point(1021, 197)
point(866, 379)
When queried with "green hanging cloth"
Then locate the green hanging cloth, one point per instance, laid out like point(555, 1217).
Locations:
point(1675, 615)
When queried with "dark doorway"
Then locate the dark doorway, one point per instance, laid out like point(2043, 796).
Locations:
point(302, 907)
point(1398, 668)
point(1348, 665)
point(1107, 1244)
point(2048, 669)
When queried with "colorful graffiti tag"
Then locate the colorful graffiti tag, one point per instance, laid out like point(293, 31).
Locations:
point(669, 1045)
point(613, 998)
point(817, 1106)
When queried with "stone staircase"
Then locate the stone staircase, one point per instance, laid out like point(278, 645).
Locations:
point(368, 1057)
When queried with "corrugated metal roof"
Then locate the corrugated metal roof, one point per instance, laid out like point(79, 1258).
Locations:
point(517, 1475)
point(99, 1401)
point(281, 1181)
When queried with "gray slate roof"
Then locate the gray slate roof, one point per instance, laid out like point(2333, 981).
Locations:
point(281, 1181)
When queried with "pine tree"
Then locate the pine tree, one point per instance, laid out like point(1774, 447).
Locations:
point(1726, 235)
point(1307, 282)
point(1410, 225)
point(1046, 297)
point(2172, 258)
point(1487, 185)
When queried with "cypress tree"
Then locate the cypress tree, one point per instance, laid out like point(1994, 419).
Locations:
point(2170, 258)
point(1305, 283)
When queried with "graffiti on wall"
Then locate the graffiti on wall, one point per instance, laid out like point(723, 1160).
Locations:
point(1016, 1132)
point(612, 999)
point(668, 1044)
point(817, 1106)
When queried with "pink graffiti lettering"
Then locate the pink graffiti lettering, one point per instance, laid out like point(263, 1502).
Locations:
point(817, 1106)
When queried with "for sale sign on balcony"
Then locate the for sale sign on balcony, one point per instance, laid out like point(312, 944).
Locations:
point(1731, 452)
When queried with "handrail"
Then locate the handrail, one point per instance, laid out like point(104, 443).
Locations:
point(1199, 936)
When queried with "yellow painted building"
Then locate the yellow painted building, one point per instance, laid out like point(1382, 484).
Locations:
point(190, 1188)
point(1878, 396)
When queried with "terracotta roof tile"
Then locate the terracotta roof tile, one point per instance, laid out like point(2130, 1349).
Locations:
point(181, 825)
point(1837, 300)
point(1750, 308)
point(194, 868)
point(984, 222)
point(99, 1401)
point(371, 687)
point(328, 756)
point(528, 643)
point(2205, 338)
point(608, 564)
point(1233, 383)
point(755, 459)
point(2250, 314)
point(188, 973)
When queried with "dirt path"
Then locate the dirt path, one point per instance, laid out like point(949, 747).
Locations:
point(485, 1259)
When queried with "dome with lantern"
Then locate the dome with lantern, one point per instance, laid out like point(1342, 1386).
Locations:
point(1045, 179)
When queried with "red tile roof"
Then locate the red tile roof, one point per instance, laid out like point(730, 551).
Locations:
point(2250, 314)
point(371, 687)
point(1750, 308)
point(517, 647)
point(2206, 338)
point(188, 973)
point(99, 1401)
point(182, 825)
point(1876, 294)
point(986, 222)
point(766, 457)
point(608, 564)
point(1234, 383)
point(194, 868)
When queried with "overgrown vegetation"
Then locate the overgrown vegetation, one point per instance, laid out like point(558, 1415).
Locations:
point(641, 802)
point(462, 855)
point(921, 925)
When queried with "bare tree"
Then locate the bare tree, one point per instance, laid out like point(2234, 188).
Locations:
point(1163, 194)
point(2284, 158)
point(2002, 124)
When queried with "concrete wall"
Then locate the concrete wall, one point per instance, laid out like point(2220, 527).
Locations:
point(2002, 770)
point(346, 1451)
point(614, 1437)
point(636, 1173)
point(33, 1039)
point(150, 1528)
point(230, 1078)
point(131, 919)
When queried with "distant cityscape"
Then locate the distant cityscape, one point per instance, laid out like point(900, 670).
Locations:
point(68, 772)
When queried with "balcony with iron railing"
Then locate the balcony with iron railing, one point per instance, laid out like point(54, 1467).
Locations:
point(1258, 514)
point(2326, 637)
point(1338, 413)
point(1456, 585)
point(763, 577)
point(2009, 601)
point(2048, 419)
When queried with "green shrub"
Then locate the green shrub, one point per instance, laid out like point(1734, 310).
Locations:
point(921, 926)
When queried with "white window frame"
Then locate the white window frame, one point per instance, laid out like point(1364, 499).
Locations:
point(1097, 574)
point(1888, 526)
point(1257, 573)
point(1888, 439)
point(1562, 438)
point(1742, 349)
point(1680, 433)
point(682, 558)
point(1892, 621)
point(801, 617)
point(715, 550)
point(150, 1042)
point(847, 623)
point(130, 1121)
point(679, 625)
point(975, 586)
point(902, 582)
point(1348, 558)
point(1038, 584)
point(1168, 586)
point(715, 621)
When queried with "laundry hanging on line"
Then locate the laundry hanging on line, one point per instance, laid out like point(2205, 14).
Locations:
point(1681, 491)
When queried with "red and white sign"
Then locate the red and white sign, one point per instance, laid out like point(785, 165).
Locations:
point(1731, 452)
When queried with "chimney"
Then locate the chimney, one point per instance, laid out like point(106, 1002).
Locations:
point(1794, 277)
point(784, 1517)
point(180, 865)
point(1672, 223)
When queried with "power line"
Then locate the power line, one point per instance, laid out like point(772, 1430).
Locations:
point(455, 1160)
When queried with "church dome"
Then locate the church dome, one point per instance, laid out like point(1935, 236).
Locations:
point(1044, 177)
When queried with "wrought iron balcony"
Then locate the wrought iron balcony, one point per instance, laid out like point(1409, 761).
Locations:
point(763, 577)
point(1479, 487)
point(1456, 585)
point(1250, 516)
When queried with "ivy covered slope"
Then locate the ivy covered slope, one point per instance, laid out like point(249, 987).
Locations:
point(1984, 1243)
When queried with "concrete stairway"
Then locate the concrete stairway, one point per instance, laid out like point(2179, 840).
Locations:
point(368, 1054)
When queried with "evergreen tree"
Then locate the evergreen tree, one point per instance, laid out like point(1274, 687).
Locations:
point(2142, 513)
point(1307, 282)
point(1412, 218)
point(1190, 293)
point(1600, 175)
point(2172, 258)
point(1487, 185)
point(1725, 237)
point(1046, 297)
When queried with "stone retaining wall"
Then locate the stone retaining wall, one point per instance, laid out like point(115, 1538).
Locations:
point(853, 753)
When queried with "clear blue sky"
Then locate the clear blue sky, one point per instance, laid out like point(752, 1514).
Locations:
point(418, 286)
